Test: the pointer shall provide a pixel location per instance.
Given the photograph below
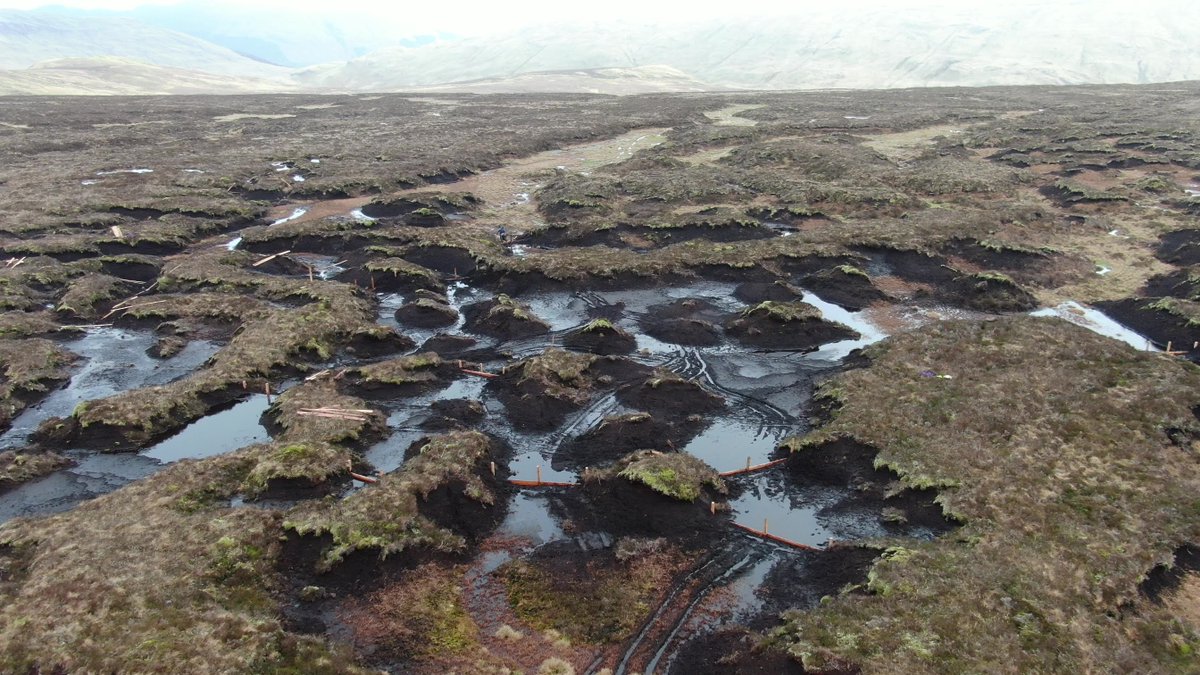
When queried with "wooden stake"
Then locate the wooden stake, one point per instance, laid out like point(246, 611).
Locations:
point(764, 526)
point(539, 474)
point(271, 257)
point(493, 467)
point(712, 508)
point(1169, 346)
point(747, 463)
point(310, 273)
point(267, 391)
point(117, 232)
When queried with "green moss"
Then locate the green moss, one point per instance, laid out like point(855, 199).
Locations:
point(783, 311)
point(676, 475)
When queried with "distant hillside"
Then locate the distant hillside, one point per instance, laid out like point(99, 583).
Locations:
point(846, 46)
point(28, 38)
point(619, 81)
point(116, 76)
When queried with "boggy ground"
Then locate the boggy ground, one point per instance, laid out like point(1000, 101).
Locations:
point(671, 257)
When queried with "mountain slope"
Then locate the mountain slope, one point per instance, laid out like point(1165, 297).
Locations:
point(851, 46)
point(619, 81)
point(28, 38)
point(113, 76)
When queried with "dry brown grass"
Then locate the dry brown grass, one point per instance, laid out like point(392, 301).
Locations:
point(180, 587)
point(1050, 444)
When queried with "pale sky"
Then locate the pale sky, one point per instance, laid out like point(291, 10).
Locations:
point(475, 16)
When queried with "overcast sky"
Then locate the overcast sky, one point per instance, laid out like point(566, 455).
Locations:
point(481, 15)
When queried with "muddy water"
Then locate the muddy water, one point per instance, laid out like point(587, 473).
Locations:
point(92, 476)
point(1097, 322)
point(216, 434)
point(112, 360)
point(734, 443)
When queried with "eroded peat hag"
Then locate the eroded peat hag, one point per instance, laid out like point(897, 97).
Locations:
point(746, 385)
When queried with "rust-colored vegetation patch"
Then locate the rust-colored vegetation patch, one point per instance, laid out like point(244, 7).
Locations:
point(593, 599)
point(419, 617)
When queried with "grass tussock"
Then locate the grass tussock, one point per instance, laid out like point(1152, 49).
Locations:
point(1050, 444)
point(386, 517)
point(558, 374)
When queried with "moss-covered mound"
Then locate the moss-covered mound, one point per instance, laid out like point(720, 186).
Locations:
point(387, 517)
point(503, 318)
point(677, 475)
point(1051, 445)
point(687, 332)
point(786, 325)
point(601, 337)
point(620, 435)
point(845, 285)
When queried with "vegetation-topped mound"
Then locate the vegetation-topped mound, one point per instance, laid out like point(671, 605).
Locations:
point(504, 318)
point(1051, 444)
point(786, 325)
point(426, 313)
point(386, 517)
point(540, 391)
point(668, 395)
point(27, 369)
point(677, 475)
point(615, 437)
point(601, 336)
point(412, 371)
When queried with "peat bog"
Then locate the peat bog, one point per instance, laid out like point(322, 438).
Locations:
point(815, 382)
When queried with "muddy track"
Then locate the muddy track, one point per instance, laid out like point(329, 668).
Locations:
point(690, 364)
point(655, 637)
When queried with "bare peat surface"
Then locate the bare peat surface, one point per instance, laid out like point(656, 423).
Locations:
point(272, 365)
